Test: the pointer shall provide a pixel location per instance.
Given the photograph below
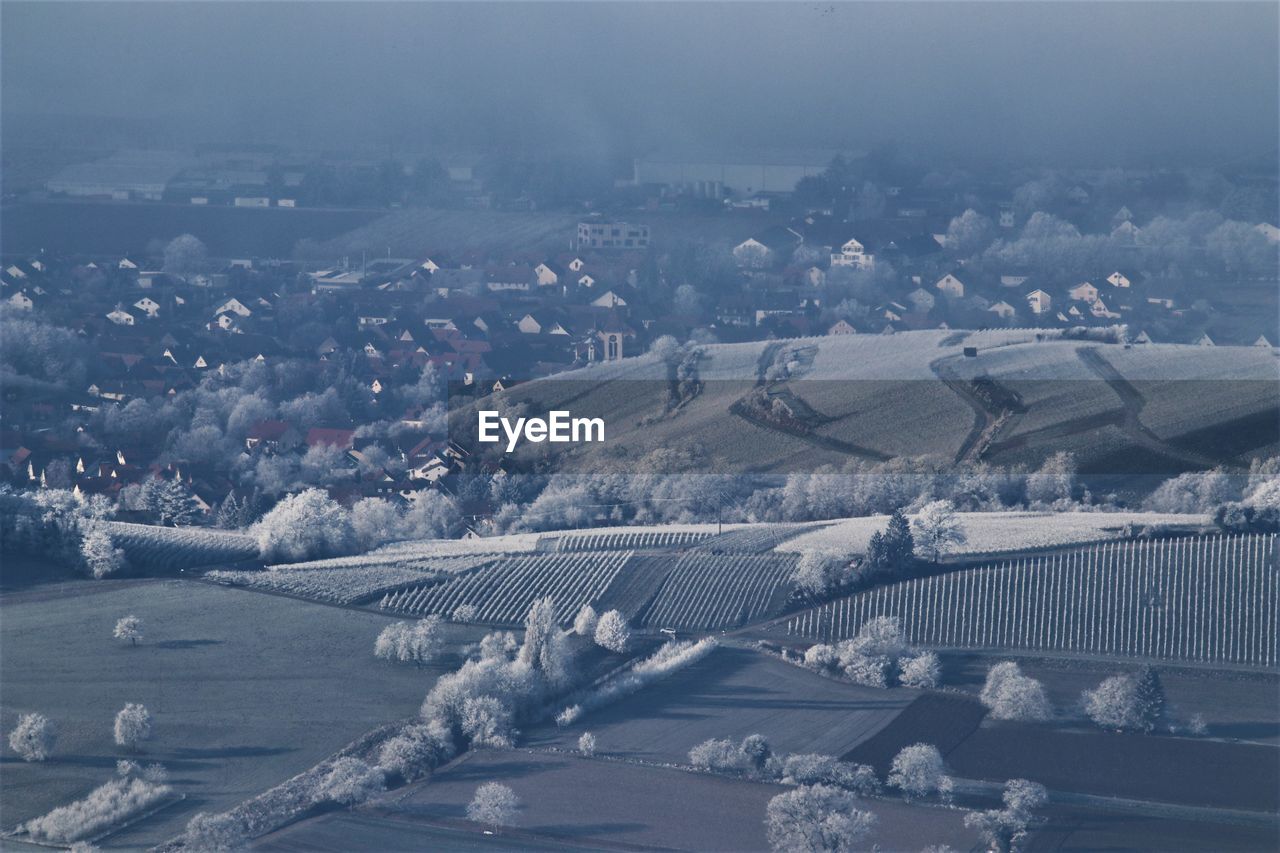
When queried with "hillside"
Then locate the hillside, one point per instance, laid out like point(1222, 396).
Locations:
point(780, 406)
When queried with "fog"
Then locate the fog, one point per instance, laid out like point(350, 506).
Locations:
point(1074, 82)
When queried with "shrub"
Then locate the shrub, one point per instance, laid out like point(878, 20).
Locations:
point(716, 755)
point(815, 769)
point(922, 671)
point(918, 771)
point(465, 613)
point(350, 781)
point(668, 659)
point(214, 833)
point(33, 738)
point(405, 641)
point(416, 751)
point(106, 805)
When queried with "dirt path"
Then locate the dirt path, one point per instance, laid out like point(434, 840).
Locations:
point(987, 424)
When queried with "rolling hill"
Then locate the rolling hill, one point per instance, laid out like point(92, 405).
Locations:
point(781, 406)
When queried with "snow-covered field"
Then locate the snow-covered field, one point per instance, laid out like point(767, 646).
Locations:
point(996, 532)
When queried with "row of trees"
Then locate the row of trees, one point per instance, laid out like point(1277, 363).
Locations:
point(34, 736)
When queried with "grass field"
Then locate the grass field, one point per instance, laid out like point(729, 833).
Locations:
point(595, 804)
point(734, 693)
point(246, 690)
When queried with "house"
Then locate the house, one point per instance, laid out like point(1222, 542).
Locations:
point(126, 264)
point(1163, 301)
point(576, 264)
point(1126, 233)
point(148, 306)
point(21, 300)
point(1142, 338)
point(609, 299)
point(268, 435)
point(854, 254)
point(1039, 302)
point(1085, 291)
point(1205, 341)
point(120, 317)
point(1262, 342)
point(233, 306)
point(766, 248)
point(841, 327)
point(547, 274)
point(586, 280)
point(1003, 310)
point(1121, 279)
point(922, 300)
point(950, 285)
point(343, 439)
point(1100, 310)
point(611, 234)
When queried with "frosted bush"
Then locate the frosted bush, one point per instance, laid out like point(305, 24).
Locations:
point(106, 805)
point(350, 781)
point(33, 738)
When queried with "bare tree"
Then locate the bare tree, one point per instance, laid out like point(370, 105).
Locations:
point(493, 805)
point(33, 738)
point(937, 529)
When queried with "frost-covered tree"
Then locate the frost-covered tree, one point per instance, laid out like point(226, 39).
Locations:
point(937, 529)
point(1005, 829)
point(418, 642)
point(545, 646)
point(129, 628)
point(170, 502)
point(215, 833)
point(493, 805)
point(817, 818)
point(612, 632)
point(1010, 695)
point(815, 769)
point(486, 721)
point(584, 624)
point(185, 254)
point(303, 526)
point(498, 645)
point(970, 232)
point(1054, 481)
point(1194, 491)
point(133, 725)
point(922, 672)
point(587, 744)
point(918, 771)
point(820, 572)
point(464, 613)
point(891, 553)
point(99, 552)
point(416, 751)
point(1134, 703)
point(350, 781)
point(33, 738)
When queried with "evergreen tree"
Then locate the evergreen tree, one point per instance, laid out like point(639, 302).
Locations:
point(900, 545)
point(1150, 699)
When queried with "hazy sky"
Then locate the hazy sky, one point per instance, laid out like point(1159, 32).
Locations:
point(1107, 82)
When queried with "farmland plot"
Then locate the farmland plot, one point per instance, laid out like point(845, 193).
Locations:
point(503, 590)
point(733, 693)
point(340, 586)
point(629, 540)
point(706, 591)
point(246, 690)
point(753, 538)
point(997, 532)
point(152, 547)
point(1212, 599)
point(592, 804)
